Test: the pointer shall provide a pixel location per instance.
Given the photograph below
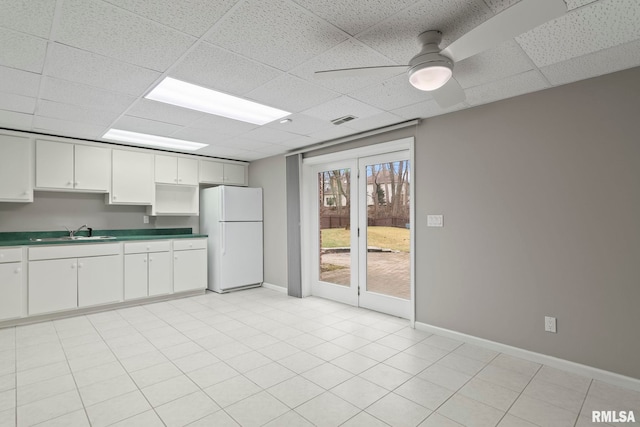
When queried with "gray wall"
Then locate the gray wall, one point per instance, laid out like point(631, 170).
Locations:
point(270, 174)
point(541, 202)
point(55, 210)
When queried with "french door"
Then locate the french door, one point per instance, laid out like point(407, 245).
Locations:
point(357, 223)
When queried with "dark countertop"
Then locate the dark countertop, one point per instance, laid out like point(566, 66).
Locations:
point(24, 238)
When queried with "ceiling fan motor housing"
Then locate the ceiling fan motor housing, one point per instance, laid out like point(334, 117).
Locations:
point(430, 69)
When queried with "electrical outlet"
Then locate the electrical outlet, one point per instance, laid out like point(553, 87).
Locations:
point(145, 219)
point(550, 324)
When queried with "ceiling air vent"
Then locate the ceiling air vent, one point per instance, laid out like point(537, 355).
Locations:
point(341, 120)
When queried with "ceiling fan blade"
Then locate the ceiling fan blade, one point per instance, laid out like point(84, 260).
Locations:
point(449, 95)
point(513, 21)
point(360, 71)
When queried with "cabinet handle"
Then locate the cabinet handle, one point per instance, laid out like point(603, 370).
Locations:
point(175, 179)
point(150, 259)
point(144, 260)
point(148, 247)
point(25, 193)
point(114, 197)
point(69, 183)
point(80, 265)
point(75, 183)
point(73, 266)
point(175, 257)
point(18, 270)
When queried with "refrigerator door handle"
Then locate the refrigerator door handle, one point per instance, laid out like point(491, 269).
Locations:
point(224, 227)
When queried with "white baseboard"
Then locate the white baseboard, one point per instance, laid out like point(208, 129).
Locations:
point(274, 287)
point(554, 362)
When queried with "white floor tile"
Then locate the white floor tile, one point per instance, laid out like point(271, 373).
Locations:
point(408, 363)
point(488, 393)
point(195, 361)
point(7, 382)
point(155, 374)
point(461, 363)
point(437, 420)
point(248, 361)
point(269, 375)
point(187, 409)
point(73, 419)
point(7, 400)
point(117, 409)
point(564, 379)
point(354, 362)
point(505, 378)
point(217, 419)
point(425, 393)
point(105, 390)
point(469, 412)
point(295, 391)
point(327, 410)
point(98, 374)
point(385, 376)
point(377, 352)
point(8, 418)
point(51, 407)
point(364, 419)
point(278, 350)
point(301, 362)
point(327, 351)
point(289, 419)
point(397, 411)
point(516, 364)
point(396, 342)
point(141, 361)
point(146, 419)
point(445, 377)
point(327, 375)
point(359, 392)
point(171, 389)
point(44, 389)
point(41, 374)
point(511, 421)
point(542, 413)
point(443, 343)
point(232, 390)
point(555, 395)
point(257, 410)
point(212, 374)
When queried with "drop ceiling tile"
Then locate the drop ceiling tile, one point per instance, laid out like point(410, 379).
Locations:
point(291, 94)
point(506, 59)
point(13, 120)
point(277, 32)
point(348, 54)
point(76, 113)
point(265, 134)
point(246, 144)
point(335, 132)
point(273, 150)
point(598, 26)
point(217, 68)
point(350, 16)
point(105, 29)
point(99, 71)
point(17, 103)
point(299, 142)
point(393, 93)
point(223, 152)
point(19, 82)
point(32, 16)
point(603, 62)
point(500, 5)
point(205, 136)
point(22, 51)
point(148, 109)
point(340, 107)
point(301, 124)
point(375, 122)
point(193, 17)
point(223, 125)
point(429, 108)
point(529, 81)
point(152, 127)
point(66, 128)
point(83, 95)
point(397, 37)
point(250, 155)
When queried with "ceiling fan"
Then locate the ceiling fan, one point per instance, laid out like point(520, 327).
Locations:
point(431, 69)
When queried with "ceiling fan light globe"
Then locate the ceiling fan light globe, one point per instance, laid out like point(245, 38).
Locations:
point(429, 77)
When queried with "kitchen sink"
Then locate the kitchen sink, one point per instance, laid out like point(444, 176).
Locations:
point(72, 239)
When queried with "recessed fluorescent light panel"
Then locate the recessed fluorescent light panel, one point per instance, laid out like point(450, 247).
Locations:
point(187, 95)
point(152, 140)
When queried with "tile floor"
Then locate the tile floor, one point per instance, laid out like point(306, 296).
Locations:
point(258, 357)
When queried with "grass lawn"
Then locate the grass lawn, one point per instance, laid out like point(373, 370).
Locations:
point(393, 238)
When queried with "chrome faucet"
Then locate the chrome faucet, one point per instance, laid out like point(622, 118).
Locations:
point(72, 233)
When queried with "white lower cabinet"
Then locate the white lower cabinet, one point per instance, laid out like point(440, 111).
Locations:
point(189, 265)
point(160, 274)
point(99, 280)
point(147, 274)
point(10, 290)
point(53, 285)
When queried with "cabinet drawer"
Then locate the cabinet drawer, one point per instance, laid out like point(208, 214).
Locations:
point(11, 255)
point(186, 244)
point(147, 246)
point(73, 251)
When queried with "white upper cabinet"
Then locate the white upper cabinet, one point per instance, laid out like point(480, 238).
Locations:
point(212, 172)
point(62, 166)
point(176, 170)
point(16, 169)
point(132, 178)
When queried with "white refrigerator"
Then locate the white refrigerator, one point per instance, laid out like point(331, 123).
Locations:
point(232, 217)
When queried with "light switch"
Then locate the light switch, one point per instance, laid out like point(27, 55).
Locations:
point(435, 220)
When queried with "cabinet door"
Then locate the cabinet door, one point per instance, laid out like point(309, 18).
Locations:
point(166, 169)
point(92, 168)
point(132, 178)
point(135, 276)
point(234, 174)
point(211, 172)
point(99, 280)
point(187, 171)
point(10, 290)
point(189, 270)
point(159, 273)
point(54, 165)
point(53, 285)
point(15, 169)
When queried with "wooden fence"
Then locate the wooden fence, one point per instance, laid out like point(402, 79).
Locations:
point(342, 221)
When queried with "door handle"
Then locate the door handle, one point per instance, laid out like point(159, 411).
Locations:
point(224, 249)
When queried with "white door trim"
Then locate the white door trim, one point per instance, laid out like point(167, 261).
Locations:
point(308, 203)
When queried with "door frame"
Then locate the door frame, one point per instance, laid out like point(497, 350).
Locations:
point(309, 203)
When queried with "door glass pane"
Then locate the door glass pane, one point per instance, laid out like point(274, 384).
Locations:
point(335, 227)
point(388, 236)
